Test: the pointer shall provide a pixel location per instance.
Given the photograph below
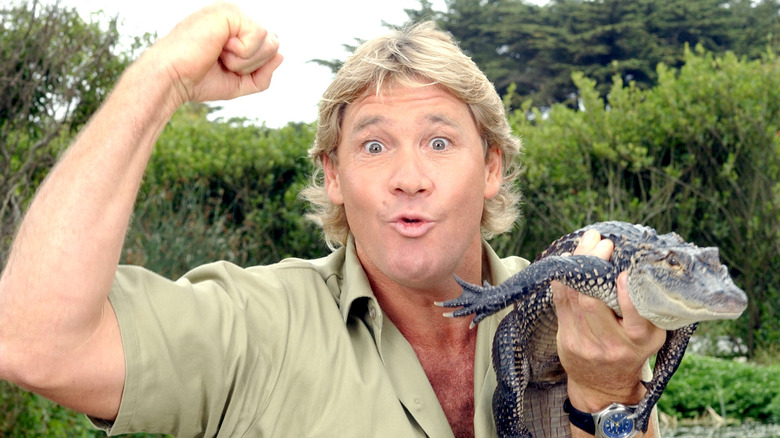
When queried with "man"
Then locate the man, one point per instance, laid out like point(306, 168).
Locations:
point(414, 175)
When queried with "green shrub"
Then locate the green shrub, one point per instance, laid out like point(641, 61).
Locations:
point(698, 154)
point(23, 414)
point(223, 190)
point(733, 389)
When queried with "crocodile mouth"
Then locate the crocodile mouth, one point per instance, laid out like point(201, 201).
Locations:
point(671, 311)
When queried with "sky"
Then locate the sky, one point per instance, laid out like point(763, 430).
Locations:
point(306, 29)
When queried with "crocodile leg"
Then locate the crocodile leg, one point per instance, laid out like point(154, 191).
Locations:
point(591, 275)
point(667, 360)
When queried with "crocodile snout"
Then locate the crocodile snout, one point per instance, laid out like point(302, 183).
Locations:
point(728, 301)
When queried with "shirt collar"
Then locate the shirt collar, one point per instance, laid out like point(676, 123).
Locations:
point(356, 290)
point(354, 287)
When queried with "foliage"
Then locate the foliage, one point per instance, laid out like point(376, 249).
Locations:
point(733, 389)
point(539, 47)
point(223, 190)
point(55, 69)
point(25, 414)
point(698, 154)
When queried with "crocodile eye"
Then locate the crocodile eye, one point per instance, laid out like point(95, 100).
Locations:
point(673, 260)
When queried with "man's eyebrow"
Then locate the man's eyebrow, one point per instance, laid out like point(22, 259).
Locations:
point(442, 119)
point(379, 119)
point(365, 122)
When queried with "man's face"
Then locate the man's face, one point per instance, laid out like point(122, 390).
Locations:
point(412, 175)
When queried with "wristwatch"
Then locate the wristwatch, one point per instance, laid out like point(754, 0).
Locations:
point(612, 422)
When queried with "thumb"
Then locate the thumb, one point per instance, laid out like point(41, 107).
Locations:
point(637, 328)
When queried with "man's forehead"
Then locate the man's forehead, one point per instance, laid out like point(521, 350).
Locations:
point(431, 104)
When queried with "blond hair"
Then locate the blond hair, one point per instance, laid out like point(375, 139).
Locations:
point(414, 56)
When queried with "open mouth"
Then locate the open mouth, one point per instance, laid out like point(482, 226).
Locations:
point(412, 226)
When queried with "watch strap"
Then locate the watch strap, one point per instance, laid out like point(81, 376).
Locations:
point(583, 420)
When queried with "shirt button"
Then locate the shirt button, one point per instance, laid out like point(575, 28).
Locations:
point(372, 311)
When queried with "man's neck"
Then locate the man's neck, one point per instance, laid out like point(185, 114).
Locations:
point(444, 346)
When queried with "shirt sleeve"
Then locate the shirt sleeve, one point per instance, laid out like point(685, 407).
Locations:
point(193, 363)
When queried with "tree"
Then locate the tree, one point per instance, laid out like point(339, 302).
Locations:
point(537, 48)
point(55, 69)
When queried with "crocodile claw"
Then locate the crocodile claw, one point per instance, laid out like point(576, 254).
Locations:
point(473, 300)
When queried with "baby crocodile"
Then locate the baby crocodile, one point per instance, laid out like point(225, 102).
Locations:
point(672, 283)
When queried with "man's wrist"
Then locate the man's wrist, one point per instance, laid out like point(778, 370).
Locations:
point(153, 73)
point(596, 399)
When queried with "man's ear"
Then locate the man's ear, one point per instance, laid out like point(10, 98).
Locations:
point(332, 183)
point(493, 172)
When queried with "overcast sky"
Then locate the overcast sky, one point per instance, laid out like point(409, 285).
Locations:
point(307, 30)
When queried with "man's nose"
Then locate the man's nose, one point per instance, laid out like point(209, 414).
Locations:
point(410, 172)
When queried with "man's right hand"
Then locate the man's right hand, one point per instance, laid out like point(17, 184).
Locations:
point(217, 53)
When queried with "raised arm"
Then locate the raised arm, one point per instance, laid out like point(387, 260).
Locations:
point(58, 333)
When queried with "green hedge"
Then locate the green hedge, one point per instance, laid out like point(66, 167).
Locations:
point(223, 189)
point(698, 154)
point(735, 390)
point(23, 414)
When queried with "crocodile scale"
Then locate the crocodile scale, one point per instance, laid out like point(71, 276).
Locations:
point(672, 283)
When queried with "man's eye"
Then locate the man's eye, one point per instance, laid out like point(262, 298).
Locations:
point(439, 144)
point(374, 147)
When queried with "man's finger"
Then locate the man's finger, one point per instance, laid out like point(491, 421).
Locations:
point(588, 242)
point(262, 76)
point(591, 243)
point(245, 54)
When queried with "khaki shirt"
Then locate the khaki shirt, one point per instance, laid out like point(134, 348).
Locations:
point(300, 348)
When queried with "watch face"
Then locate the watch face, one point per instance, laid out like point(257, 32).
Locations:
point(617, 425)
